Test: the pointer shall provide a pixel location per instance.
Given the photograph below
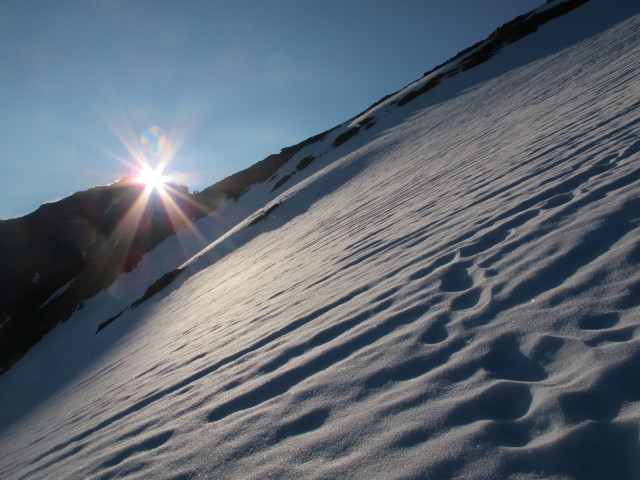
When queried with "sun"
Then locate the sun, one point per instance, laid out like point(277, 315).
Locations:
point(152, 178)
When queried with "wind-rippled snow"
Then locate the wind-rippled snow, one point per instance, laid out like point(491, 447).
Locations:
point(453, 293)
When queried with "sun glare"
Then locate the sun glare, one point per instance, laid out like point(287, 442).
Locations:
point(153, 178)
point(160, 198)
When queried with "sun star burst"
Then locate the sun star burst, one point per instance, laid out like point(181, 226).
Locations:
point(153, 178)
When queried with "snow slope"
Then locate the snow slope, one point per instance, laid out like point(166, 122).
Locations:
point(452, 293)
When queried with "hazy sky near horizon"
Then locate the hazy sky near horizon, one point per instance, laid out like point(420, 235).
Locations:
point(229, 81)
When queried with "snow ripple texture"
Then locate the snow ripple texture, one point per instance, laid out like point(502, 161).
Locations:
point(454, 293)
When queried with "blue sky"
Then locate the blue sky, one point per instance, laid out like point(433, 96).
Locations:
point(229, 81)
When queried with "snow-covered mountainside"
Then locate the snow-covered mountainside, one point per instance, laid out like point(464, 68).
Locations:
point(447, 286)
point(67, 251)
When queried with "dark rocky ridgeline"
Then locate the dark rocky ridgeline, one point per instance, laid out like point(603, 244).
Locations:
point(237, 184)
point(83, 242)
point(482, 51)
point(368, 122)
point(78, 246)
point(476, 54)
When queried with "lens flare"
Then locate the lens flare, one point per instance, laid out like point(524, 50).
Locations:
point(155, 141)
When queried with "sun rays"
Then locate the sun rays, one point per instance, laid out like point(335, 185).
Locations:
point(157, 206)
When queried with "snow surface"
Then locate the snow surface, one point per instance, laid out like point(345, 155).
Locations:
point(453, 293)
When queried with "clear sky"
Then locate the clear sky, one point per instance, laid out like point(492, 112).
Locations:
point(230, 82)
